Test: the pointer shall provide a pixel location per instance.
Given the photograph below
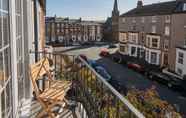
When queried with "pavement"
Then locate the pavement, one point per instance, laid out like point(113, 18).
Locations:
point(130, 78)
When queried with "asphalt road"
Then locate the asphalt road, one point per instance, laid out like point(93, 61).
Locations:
point(131, 79)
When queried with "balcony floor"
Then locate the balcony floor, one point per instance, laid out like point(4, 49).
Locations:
point(30, 109)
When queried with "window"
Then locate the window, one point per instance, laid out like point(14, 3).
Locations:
point(133, 50)
point(166, 44)
point(133, 20)
point(180, 57)
point(133, 28)
point(154, 19)
point(122, 48)
point(154, 43)
point(5, 60)
point(143, 19)
point(123, 37)
point(123, 20)
point(165, 59)
point(147, 55)
point(179, 71)
point(153, 29)
point(167, 30)
point(133, 38)
point(167, 18)
point(153, 57)
point(184, 7)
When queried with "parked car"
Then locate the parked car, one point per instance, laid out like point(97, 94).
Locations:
point(118, 58)
point(135, 66)
point(92, 63)
point(104, 53)
point(170, 81)
point(103, 72)
point(83, 57)
point(112, 46)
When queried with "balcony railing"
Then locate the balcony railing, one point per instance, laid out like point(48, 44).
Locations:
point(98, 97)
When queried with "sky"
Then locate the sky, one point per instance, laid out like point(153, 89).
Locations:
point(90, 9)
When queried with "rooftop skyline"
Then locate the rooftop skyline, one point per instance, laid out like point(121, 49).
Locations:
point(90, 9)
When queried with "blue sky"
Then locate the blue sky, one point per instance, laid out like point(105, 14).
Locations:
point(90, 9)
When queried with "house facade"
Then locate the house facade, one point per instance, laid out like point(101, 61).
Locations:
point(152, 32)
point(181, 60)
point(16, 41)
point(65, 30)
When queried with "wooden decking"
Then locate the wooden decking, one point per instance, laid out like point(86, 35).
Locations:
point(31, 108)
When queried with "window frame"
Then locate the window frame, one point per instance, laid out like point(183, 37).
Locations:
point(180, 57)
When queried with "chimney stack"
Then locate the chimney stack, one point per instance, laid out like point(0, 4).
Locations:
point(140, 4)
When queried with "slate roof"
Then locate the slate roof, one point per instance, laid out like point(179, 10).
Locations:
point(162, 8)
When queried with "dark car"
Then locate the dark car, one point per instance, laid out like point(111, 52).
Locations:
point(118, 58)
point(170, 81)
point(158, 76)
point(112, 46)
point(103, 72)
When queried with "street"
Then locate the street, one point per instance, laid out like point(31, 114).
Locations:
point(131, 79)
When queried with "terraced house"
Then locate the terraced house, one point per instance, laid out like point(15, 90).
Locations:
point(152, 32)
point(66, 31)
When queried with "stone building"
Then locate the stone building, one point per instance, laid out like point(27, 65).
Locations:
point(115, 22)
point(153, 32)
point(65, 30)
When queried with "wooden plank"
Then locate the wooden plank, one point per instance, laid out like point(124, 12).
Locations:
point(61, 93)
point(40, 68)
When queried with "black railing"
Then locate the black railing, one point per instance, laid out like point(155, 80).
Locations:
point(98, 97)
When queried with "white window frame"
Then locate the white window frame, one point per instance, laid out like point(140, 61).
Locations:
point(180, 58)
point(134, 20)
point(154, 29)
point(143, 19)
point(184, 7)
point(167, 19)
point(154, 19)
point(167, 30)
point(123, 20)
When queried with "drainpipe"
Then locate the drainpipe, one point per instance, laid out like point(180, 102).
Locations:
point(35, 30)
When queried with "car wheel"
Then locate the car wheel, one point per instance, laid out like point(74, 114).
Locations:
point(169, 85)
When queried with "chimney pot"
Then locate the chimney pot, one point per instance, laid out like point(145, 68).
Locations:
point(139, 4)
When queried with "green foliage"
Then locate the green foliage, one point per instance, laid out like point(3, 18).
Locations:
point(149, 103)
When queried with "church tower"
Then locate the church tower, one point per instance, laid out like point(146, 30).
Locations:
point(115, 22)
